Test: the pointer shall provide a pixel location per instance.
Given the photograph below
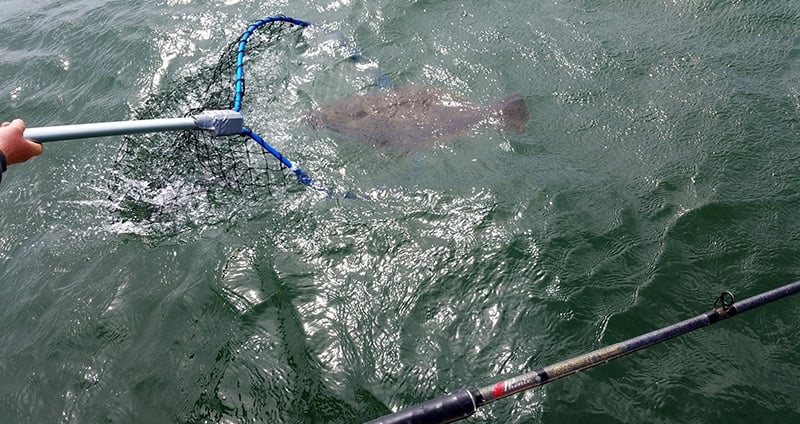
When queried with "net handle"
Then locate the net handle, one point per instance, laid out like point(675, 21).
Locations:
point(219, 122)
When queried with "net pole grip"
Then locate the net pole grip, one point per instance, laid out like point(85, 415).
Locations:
point(444, 409)
point(220, 122)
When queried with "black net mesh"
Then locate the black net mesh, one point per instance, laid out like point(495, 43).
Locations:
point(183, 178)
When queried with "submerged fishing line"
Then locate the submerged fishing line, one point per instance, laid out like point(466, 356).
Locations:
point(162, 178)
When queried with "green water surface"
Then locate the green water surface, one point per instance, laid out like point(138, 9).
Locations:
point(660, 167)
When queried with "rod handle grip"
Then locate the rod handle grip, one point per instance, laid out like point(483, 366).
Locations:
point(444, 409)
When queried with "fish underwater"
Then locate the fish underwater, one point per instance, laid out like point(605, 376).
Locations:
point(416, 115)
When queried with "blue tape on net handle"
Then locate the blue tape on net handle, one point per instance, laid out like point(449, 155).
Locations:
point(240, 52)
point(301, 175)
point(238, 96)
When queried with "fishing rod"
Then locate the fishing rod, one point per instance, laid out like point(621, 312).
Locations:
point(463, 403)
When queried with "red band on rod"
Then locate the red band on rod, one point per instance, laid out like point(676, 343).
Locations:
point(499, 388)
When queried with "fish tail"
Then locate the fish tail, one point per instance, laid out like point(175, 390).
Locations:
point(513, 113)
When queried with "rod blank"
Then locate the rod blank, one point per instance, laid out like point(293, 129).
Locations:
point(462, 404)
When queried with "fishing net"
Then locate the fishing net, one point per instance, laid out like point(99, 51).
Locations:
point(165, 180)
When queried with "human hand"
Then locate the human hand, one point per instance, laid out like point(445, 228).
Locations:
point(15, 147)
